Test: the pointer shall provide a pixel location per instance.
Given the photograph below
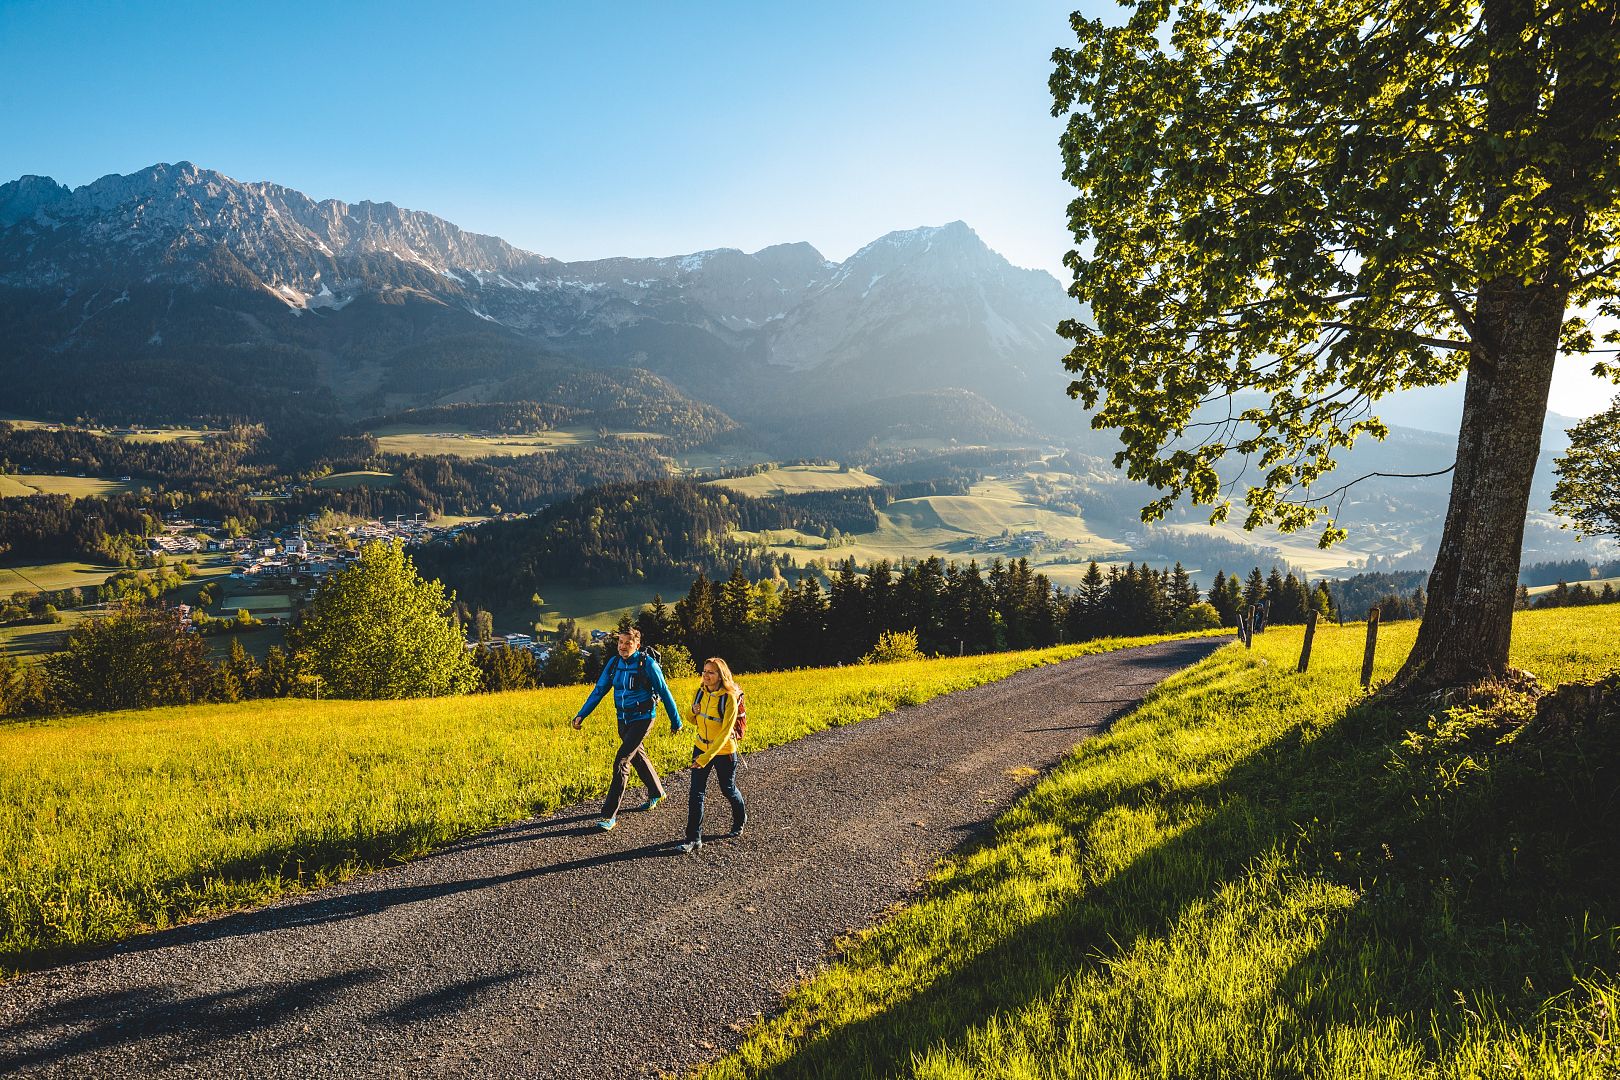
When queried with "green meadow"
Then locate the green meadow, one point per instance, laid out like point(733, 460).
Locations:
point(76, 487)
point(947, 526)
point(1264, 874)
point(113, 824)
point(51, 576)
point(454, 442)
point(799, 479)
point(1595, 584)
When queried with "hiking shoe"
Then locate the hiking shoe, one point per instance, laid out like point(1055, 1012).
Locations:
point(690, 846)
point(652, 803)
point(734, 833)
point(607, 823)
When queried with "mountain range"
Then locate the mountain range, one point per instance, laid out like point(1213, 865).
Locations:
point(177, 292)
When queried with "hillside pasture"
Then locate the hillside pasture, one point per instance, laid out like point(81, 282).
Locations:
point(356, 479)
point(1595, 584)
point(799, 480)
point(76, 487)
point(134, 434)
point(53, 576)
point(955, 527)
point(451, 442)
point(33, 641)
point(1300, 550)
point(162, 435)
point(717, 457)
point(592, 607)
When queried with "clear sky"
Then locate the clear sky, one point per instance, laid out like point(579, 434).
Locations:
point(585, 129)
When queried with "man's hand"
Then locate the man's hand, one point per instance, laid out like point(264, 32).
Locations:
point(675, 728)
point(579, 722)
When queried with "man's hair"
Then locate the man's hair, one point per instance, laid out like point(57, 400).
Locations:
point(632, 633)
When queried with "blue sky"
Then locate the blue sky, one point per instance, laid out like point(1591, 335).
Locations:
point(581, 130)
point(576, 130)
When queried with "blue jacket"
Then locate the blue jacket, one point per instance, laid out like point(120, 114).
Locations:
point(638, 686)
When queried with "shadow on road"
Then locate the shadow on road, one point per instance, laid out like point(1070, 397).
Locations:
point(79, 1025)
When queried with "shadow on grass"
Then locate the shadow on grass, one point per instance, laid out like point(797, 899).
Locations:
point(1339, 780)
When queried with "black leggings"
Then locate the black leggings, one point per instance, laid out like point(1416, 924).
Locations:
point(726, 766)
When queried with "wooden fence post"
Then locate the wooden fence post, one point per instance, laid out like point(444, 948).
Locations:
point(1372, 646)
point(1243, 631)
point(1310, 632)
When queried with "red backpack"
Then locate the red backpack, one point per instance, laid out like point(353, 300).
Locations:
point(742, 712)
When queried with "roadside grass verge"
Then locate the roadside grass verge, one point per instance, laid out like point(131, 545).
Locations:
point(1264, 874)
point(122, 822)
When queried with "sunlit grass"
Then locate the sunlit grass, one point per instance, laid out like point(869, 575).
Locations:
point(1255, 875)
point(111, 824)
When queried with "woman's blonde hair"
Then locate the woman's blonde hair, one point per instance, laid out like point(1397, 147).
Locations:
point(729, 683)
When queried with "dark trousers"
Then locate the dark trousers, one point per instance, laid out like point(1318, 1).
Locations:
point(631, 755)
point(726, 766)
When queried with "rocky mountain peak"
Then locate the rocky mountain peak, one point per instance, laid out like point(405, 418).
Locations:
point(24, 197)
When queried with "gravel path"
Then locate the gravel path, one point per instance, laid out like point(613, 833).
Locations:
point(549, 949)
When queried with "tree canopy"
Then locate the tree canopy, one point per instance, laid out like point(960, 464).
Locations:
point(1286, 211)
point(378, 630)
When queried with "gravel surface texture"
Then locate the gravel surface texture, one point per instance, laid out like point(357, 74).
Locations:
point(550, 949)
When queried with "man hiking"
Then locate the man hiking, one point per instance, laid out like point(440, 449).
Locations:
point(638, 685)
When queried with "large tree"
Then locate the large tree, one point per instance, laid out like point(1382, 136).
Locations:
point(1287, 210)
point(378, 630)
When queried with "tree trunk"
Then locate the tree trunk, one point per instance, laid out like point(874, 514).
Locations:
point(1468, 623)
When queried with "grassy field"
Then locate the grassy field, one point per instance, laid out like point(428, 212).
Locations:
point(261, 604)
point(955, 526)
point(142, 434)
point(431, 441)
point(359, 478)
point(116, 823)
point(1595, 584)
point(1300, 549)
point(31, 641)
point(593, 607)
point(1261, 874)
point(798, 479)
point(717, 457)
point(78, 487)
point(51, 576)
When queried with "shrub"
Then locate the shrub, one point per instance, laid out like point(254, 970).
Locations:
point(894, 646)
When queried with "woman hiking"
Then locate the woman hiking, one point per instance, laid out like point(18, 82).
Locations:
point(638, 686)
point(714, 715)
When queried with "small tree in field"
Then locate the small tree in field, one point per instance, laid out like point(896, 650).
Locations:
point(894, 646)
point(378, 630)
point(1588, 488)
point(1199, 616)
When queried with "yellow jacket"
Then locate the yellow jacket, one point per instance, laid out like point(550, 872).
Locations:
point(714, 717)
